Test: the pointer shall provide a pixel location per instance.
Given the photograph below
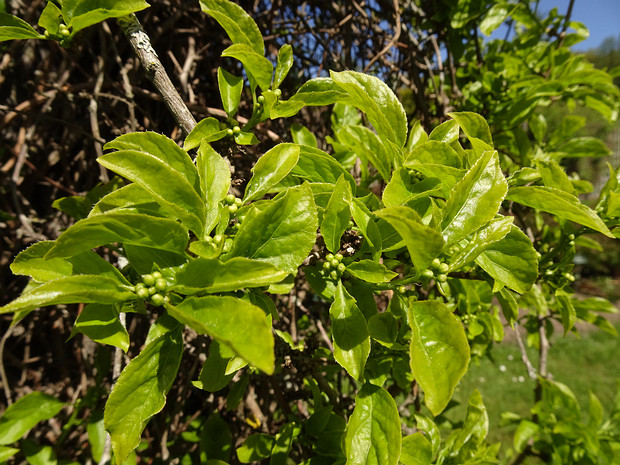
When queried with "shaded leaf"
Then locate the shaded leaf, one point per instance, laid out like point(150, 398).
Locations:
point(219, 317)
point(23, 415)
point(439, 351)
point(256, 65)
point(140, 391)
point(337, 214)
point(349, 332)
point(12, 27)
point(373, 431)
point(101, 323)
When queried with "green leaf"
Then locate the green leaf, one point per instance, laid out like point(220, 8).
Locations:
point(423, 243)
point(303, 136)
point(130, 228)
point(140, 391)
point(131, 198)
point(496, 15)
point(256, 65)
point(416, 450)
point(239, 26)
point(559, 203)
point(403, 189)
point(337, 214)
point(31, 262)
point(101, 323)
point(207, 130)
point(246, 138)
point(524, 432)
point(50, 19)
point(7, 452)
point(12, 27)
point(553, 175)
point(369, 147)
point(376, 99)
point(23, 415)
point(472, 433)
point(219, 317)
point(282, 446)
point(214, 374)
point(508, 304)
point(475, 199)
point(417, 135)
point(434, 152)
point(446, 132)
point(285, 62)
point(256, 447)
point(214, 175)
point(567, 310)
point(582, 147)
point(169, 187)
point(96, 435)
point(231, 87)
point(318, 92)
point(439, 351)
point(83, 288)
point(448, 175)
point(283, 233)
point(473, 125)
point(512, 261)
point(216, 438)
point(79, 14)
point(495, 230)
point(373, 432)
point(370, 271)
point(349, 332)
point(270, 169)
point(314, 165)
point(38, 454)
point(213, 275)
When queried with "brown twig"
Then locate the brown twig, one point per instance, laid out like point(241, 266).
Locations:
point(392, 42)
point(155, 71)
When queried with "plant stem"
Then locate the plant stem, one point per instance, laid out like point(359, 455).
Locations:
point(155, 71)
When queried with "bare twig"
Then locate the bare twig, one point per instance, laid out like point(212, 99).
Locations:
point(392, 42)
point(531, 371)
point(5, 381)
point(141, 44)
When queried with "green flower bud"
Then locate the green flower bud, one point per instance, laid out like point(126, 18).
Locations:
point(142, 293)
point(338, 257)
point(236, 130)
point(229, 199)
point(327, 265)
point(334, 275)
point(444, 268)
point(261, 99)
point(218, 238)
point(341, 267)
point(233, 208)
point(156, 275)
point(435, 264)
point(442, 278)
point(428, 274)
point(151, 290)
point(229, 132)
point(157, 300)
point(148, 279)
point(334, 262)
point(161, 284)
point(329, 257)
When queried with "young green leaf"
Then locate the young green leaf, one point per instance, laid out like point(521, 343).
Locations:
point(337, 215)
point(473, 125)
point(511, 261)
point(376, 99)
point(79, 14)
point(285, 62)
point(214, 175)
point(256, 447)
point(256, 65)
point(303, 136)
point(239, 26)
point(314, 166)
point(170, 188)
point(219, 317)
point(369, 147)
point(439, 351)
point(350, 333)
point(140, 391)
point(370, 271)
point(212, 275)
point(207, 130)
point(475, 199)
point(447, 132)
point(23, 415)
point(12, 27)
point(282, 233)
point(130, 228)
point(319, 92)
point(270, 169)
point(434, 152)
point(559, 203)
point(282, 446)
point(402, 189)
point(416, 450)
point(231, 87)
point(373, 432)
point(131, 198)
point(101, 323)
point(83, 288)
point(423, 243)
point(50, 19)
point(31, 262)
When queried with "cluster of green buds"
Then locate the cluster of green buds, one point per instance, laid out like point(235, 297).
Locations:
point(415, 176)
point(333, 264)
point(438, 271)
point(219, 240)
point(153, 287)
point(233, 203)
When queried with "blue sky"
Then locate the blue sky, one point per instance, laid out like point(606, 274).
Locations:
point(601, 17)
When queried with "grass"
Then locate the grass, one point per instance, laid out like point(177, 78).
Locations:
point(586, 363)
